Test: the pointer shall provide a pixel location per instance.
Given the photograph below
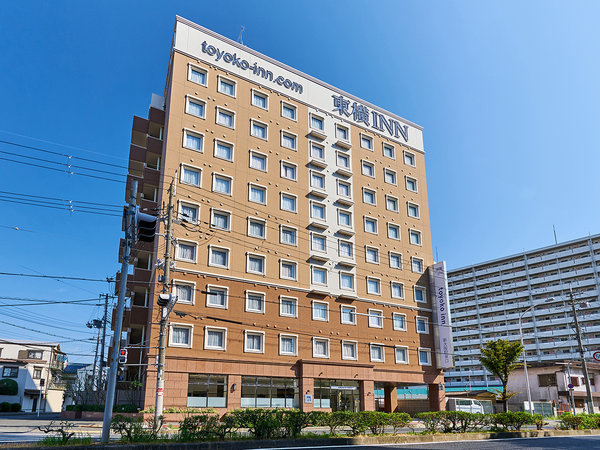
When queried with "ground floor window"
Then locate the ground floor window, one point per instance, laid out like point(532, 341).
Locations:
point(207, 391)
point(339, 395)
point(269, 392)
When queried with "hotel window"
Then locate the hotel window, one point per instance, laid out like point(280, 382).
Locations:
point(258, 129)
point(369, 196)
point(419, 293)
point(288, 140)
point(320, 348)
point(254, 341)
point(287, 235)
point(288, 111)
point(409, 159)
point(399, 321)
point(257, 228)
point(345, 248)
point(317, 180)
point(288, 171)
point(220, 220)
point(422, 325)
point(190, 176)
point(370, 225)
point(318, 242)
point(255, 302)
point(222, 184)
point(424, 357)
point(343, 160)
point(373, 286)
point(317, 151)
point(225, 118)
point(372, 255)
point(320, 311)
point(344, 218)
point(257, 194)
point(180, 335)
point(188, 212)
point(395, 260)
point(258, 161)
point(288, 202)
point(413, 210)
point(185, 252)
point(341, 132)
point(317, 210)
point(349, 350)
point(375, 318)
point(414, 237)
point(223, 150)
point(287, 270)
point(255, 264)
point(216, 297)
point(184, 292)
point(389, 151)
point(393, 231)
point(197, 75)
point(366, 142)
point(347, 281)
point(218, 257)
point(348, 315)
point(215, 338)
point(391, 203)
point(195, 107)
point(397, 289)
point(377, 353)
point(401, 354)
point(411, 184)
point(10, 372)
point(193, 141)
point(288, 306)
point(226, 87)
point(344, 189)
point(316, 122)
point(389, 176)
point(318, 275)
point(288, 344)
point(368, 169)
point(260, 100)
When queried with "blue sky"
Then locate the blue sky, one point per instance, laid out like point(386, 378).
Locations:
point(507, 93)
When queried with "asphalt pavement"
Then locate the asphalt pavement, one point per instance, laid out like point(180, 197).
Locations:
point(23, 427)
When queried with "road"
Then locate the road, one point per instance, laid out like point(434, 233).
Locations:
point(23, 427)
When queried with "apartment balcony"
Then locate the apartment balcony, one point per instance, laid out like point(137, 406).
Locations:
point(154, 145)
point(151, 176)
point(156, 115)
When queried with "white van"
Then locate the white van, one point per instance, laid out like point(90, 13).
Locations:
point(464, 404)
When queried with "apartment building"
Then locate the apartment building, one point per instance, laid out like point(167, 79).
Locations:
point(302, 239)
point(487, 299)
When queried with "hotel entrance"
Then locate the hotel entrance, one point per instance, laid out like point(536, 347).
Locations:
point(339, 395)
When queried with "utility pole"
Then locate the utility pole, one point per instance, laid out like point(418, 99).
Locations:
point(104, 320)
point(588, 388)
point(164, 314)
point(112, 376)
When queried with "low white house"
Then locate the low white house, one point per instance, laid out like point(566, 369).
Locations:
point(36, 368)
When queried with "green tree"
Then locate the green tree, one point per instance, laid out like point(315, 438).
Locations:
point(501, 357)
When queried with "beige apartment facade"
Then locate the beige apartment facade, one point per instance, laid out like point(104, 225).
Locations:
point(301, 239)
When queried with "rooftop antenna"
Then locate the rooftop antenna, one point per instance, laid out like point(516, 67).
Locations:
point(555, 240)
point(240, 40)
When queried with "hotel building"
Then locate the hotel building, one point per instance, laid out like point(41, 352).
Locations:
point(486, 300)
point(301, 239)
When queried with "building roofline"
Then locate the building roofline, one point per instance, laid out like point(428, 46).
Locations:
point(525, 252)
point(291, 69)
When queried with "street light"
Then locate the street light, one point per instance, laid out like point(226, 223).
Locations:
point(525, 354)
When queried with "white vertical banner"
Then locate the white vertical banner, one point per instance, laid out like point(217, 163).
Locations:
point(442, 329)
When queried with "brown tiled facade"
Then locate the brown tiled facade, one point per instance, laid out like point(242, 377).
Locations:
point(280, 278)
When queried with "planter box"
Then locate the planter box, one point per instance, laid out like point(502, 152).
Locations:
point(91, 415)
point(70, 415)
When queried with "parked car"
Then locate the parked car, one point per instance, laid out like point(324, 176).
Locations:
point(464, 404)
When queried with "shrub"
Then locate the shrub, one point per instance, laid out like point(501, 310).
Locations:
point(206, 425)
point(261, 423)
point(62, 432)
point(539, 421)
point(293, 421)
point(512, 420)
point(15, 407)
point(5, 407)
point(133, 429)
point(333, 420)
point(8, 386)
point(431, 420)
point(357, 422)
point(399, 420)
point(376, 421)
point(591, 421)
point(570, 422)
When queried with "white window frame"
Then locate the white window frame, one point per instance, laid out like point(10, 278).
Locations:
point(256, 219)
point(256, 255)
point(370, 312)
point(312, 309)
point(369, 247)
point(197, 69)
point(420, 288)
point(229, 111)
point(219, 288)
point(313, 248)
point(375, 344)
point(365, 219)
point(428, 352)
point(254, 333)
point(252, 122)
point(367, 190)
point(393, 198)
point(399, 255)
point(388, 145)
point(290, 106)
point(378, 280)
point(311, 115)
point(343, 155)
point(195, 169)
point(396, 283)
point(286, 335)
point(257, 293)
point(194, 100)
point(345, 241)
point(343, 127)
point(196, 206)
point(414, 258)
point(387, 170)
point(289, 164)
point(194, 244)
point(289, 134)
point(179, 282)
point(411, 232)
point(229, 80)
point(216, 175)
point(285, 194)
point(314, 340)
point(355, 345)
point(364, 162)
point(264, 155)
point(406, 178)
point(317, 175)
point(187, 131)
point(258, 186)
point(414, 205)
point(258, 93)
point(212, 211)
point(211, 328)
point(421, 318)
point(344, 211)
point(316, 203)
point(227, 144)
point(394, 323)
point(345, 322)
point(312, 278)
point(286, 297)
point(406, 352)
point(181, 325)
point(368, 138)
point(353, 289)
point(210, 250)
point(410, 155)
point(288, 261)
point(281, 228)
point(397, 227)
point(345, 183)
point(321, 147)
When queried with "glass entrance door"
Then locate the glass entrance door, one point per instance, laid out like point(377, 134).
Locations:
point(339, 395)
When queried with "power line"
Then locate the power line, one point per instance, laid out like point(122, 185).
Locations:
point(61, 199)
point(43, 332)
point(56, 277)
point(65, 208)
